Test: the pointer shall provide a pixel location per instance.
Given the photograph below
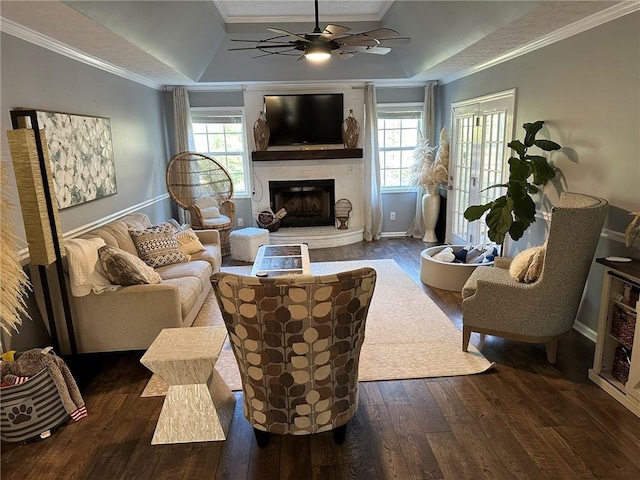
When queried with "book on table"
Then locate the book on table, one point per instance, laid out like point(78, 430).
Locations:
point(278, 260)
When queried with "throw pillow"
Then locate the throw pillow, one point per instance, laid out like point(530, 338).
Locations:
point(174, 222)
point(85, 272)
point(188, 242)
point(535, 269)
point(521, 263)
point(157, 246)
point(123, 268)
point(445, 255)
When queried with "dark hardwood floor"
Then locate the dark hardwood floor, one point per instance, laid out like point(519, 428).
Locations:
point(525, 419)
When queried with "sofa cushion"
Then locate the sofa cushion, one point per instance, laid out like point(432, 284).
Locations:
point(157, 246)
point(185, 269)
point(210, 254)
point(114, 234)
point(123, 268)
point(189, 289)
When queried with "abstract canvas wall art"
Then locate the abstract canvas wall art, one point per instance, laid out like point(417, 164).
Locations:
point(81, 155)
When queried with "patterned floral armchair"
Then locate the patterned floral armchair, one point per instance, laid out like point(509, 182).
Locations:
point(297, 342)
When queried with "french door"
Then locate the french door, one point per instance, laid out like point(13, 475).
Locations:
point(481, 129)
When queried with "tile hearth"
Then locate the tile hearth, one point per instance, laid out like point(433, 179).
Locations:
point(317, 237)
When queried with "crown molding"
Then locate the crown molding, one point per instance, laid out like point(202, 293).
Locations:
point(619, 10)
point(12, 28)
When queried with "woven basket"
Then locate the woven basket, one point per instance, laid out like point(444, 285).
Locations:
point(623, 326)
point(30, 409)
point(621, 364)
point(266, 220)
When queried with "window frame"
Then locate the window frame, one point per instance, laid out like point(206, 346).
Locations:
point(398, 107)
point(246, 165)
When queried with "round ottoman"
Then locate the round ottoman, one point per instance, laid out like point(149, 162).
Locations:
point(444, 275)
point(245, 243)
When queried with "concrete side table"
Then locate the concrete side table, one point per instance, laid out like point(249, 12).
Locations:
point(198, 406)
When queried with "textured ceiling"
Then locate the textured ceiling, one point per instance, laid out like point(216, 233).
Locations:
point(185, 42)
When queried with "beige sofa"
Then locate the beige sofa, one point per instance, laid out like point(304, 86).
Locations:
point(131, 317)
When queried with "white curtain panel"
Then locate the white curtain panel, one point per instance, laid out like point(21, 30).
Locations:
point(416, 229)
point(183, 132)
point(182, 120)
point(372, 195)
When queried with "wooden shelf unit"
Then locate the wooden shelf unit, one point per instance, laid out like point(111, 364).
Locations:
point(616, 276)
point(319, 154)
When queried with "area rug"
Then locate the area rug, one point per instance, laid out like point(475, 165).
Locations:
point(406, 336)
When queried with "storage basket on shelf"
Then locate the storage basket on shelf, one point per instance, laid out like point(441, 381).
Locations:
point(621, 364)
point(623, 325)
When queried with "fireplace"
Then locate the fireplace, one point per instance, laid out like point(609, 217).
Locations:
point(307, 202)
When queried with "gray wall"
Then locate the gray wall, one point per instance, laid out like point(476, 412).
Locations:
point(586, 90)
point(38, 78)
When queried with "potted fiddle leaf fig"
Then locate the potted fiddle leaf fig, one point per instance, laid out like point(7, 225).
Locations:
point(513, 212)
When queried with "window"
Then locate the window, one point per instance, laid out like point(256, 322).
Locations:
point(398, 130)
point(219, 134)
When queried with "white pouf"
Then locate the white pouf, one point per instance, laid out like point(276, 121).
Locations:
point(245, 243)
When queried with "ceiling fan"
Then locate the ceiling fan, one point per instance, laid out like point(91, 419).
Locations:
point(319, 45)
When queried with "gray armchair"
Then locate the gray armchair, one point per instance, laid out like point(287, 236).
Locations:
point(494, 303)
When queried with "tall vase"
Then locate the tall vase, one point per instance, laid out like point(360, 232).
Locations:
point(430, 213)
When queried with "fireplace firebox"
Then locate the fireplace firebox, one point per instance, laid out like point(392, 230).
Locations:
point(307, 202)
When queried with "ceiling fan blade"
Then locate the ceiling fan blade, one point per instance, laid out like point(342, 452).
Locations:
point(342, 55)
point(359, 40)
point(288, 34)
point(286, 45)
point(358, 48)
point(377, 50)
point(381, 33)
point(332, 31)
point(258, 41)
point(392, 42)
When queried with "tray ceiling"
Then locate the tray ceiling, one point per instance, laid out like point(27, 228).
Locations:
point(185, 42)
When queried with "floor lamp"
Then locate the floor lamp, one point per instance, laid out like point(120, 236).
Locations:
point(40, 212)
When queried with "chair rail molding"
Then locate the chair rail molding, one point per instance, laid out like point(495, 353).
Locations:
point(23, 254)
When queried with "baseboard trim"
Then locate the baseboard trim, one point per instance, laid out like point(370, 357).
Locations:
point(23, 254)
point(393, 234)
point(585, 331)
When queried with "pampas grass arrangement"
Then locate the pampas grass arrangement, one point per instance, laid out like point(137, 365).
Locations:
point(14, 279)
point(427, 169)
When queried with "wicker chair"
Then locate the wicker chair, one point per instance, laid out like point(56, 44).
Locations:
point(297, 342)
point(191, 178)
point(494, 303)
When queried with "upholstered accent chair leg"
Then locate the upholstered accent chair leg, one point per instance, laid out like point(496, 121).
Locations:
point(339, 434)
point(262, 437)
point(466, 335)
point(552, 350)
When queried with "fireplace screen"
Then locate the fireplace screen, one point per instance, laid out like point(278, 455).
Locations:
point(307, 202)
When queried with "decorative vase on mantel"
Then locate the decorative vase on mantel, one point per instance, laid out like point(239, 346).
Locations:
point(261, 133)
point(430, 212)
point(350, 131)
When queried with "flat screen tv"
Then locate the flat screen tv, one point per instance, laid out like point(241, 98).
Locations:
point(306, 119)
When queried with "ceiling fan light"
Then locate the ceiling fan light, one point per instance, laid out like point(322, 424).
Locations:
point(318, 52)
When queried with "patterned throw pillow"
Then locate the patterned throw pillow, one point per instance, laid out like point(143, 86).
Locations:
point(123, 268)
point(157, 246)
point(188, 242)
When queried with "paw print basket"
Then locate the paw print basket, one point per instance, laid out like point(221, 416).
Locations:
point(31, 409)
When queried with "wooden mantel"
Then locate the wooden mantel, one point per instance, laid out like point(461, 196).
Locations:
point(319, 154)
